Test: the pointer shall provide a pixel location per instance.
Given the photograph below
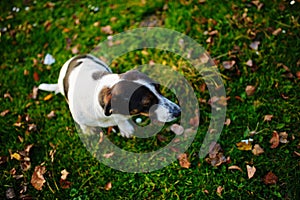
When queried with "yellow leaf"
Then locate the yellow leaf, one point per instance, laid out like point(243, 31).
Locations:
point(15, 156)
point(244, 146)
point(48, 97)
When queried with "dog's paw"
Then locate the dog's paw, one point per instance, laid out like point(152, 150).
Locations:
point(126, 129)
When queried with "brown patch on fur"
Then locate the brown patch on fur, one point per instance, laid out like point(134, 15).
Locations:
point(104, 99)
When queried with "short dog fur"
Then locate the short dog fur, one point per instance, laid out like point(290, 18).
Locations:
point(98, 97)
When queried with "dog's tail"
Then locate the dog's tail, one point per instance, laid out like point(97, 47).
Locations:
point(49, 87)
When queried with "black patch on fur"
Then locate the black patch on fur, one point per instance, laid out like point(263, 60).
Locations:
point(99, 74)
point(72, 65)
point(130, 98)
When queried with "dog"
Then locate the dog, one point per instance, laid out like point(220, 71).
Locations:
point(97, 97)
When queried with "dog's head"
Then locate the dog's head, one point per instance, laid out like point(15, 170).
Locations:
point(135, 94)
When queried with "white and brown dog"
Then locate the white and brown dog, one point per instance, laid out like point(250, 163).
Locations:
point(98, 97)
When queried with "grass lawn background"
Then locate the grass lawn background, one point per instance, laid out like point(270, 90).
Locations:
point(66, 28)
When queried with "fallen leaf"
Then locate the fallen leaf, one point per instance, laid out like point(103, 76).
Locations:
point(298, 75)
point(219, 190)
point(268, 118)
point(10, 193)
point(297, 153)
point(250, 89)
point(183, 161)
point(177, 129)
point(254, 45)
point(227, 122)
point(37, 179)
point(194, 121)
point(108, 155)
point(49, 59)
point(270, 178)
point(250, 171)
point(7, 95)
point(274, 140)
point(48, 97)
point(107, 29)
point(34, 92)
point(235, 167)
point(75, 49)
point(283, 137)
point(249, 63)
point(215, 154)
point(3, 159)
point(277, 31)
point(51, 114)
point(206, 191)
point(5, 112)
point(15, 156)
point(228, 64)
point(108, 186)
point(25, 165)
point(257, 150)
point(64, 184)
point(64, 174)
point(244, 146)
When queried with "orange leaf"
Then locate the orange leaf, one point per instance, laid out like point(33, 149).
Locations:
point(270, 178)
point(48, 97)
point(250, 89)
point(108, 186)
point(183, 161)
point(37, 179)
point(219, 190)
point(274, 140)
point(250, 171)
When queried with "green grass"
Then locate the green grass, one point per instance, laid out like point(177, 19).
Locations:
point(27, 39)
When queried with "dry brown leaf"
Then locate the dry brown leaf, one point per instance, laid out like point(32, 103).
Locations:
point(298, 75)
point(10, 193)
point(274, 140)
point(7, 95)
point(296, 153)
point(270, 178)
point(108, 186)
point(75, 49)
point(268, 118)
point(257, 150)
point(250, 89)
point(249, 63)
point(177, 129)
point(51, 114)
point(108, 155)
point(25, 165)
point(107, 29)
point(219, 190)
point(64, 174)
point(216, 156)
point(194, 121)
point(250, 171)
point(36, 76)
point(228, 64)
point(183, 161)
point(244, 146)
point(254, 45)
point(64, 184)
point(34, 92)
point(4, 112)
point(3, 159)
point(37, 179)
point(277, 31)
point(227, 122)
point(235, 167)
point(283, 137)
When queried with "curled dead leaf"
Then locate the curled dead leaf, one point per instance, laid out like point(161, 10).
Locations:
point(64, 184)
point(268, 118)
point(108, 186)
point(254, 45)
point(277, 31)
point(184, 161)
point(270, 178)
point(37, 179)
point(249, 63)
point(235, 167)
point(219, 190)
point(108, 155)
point(228, 64)
point(5, 112)
point(257, 150)
point(227, 122)
point(64, 174)
point(283, 137)
point(274, 140)
point(250, 89)
point(244, 146)
point(51, 114)
point(177, 129)
point(250, 171)
point(107, 29)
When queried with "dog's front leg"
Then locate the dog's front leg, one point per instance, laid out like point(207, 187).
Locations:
point(126, 128)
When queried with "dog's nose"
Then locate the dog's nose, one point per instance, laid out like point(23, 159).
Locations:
point(177, 113)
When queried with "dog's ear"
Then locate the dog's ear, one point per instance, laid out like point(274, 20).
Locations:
point(105, 100)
